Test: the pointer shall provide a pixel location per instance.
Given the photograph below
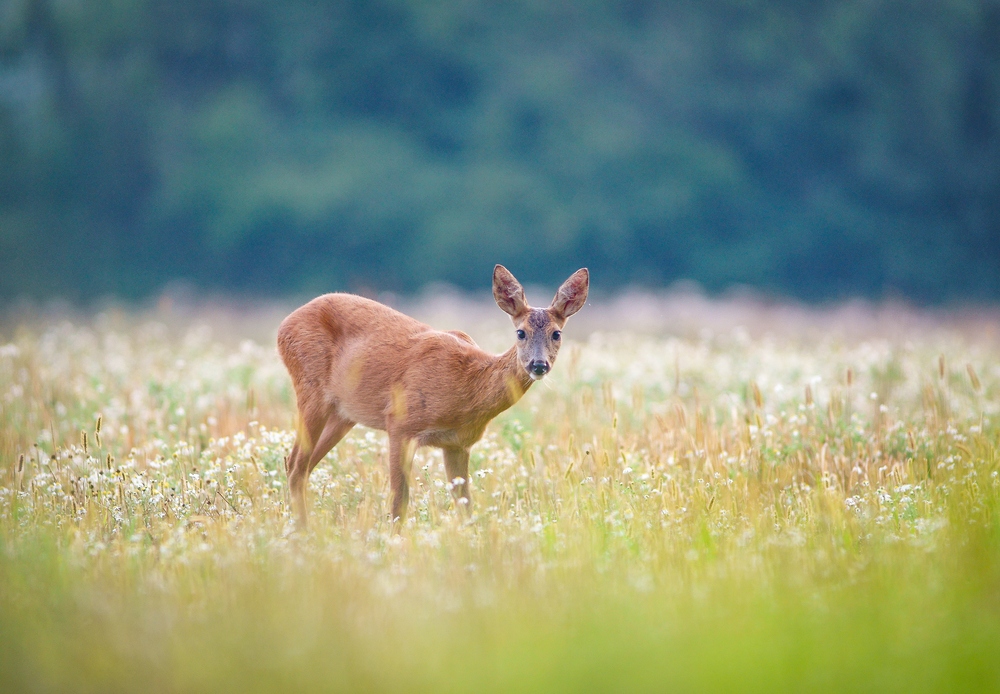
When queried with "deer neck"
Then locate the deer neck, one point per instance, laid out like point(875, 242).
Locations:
point(508, 381)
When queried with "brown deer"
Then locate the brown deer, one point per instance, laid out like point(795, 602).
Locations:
point(353, 360)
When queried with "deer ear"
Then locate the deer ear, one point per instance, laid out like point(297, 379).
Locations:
point(572, 295)
point(508, 292)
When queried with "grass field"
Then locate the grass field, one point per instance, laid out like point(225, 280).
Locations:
point(702, 496)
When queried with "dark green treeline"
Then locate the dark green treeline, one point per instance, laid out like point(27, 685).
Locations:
point(818, 149)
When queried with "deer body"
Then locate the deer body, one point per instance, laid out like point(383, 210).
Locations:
point(356, 361)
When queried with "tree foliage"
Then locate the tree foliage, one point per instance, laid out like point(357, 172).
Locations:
point(819, 149)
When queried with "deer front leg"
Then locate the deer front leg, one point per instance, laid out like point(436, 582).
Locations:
point(400, 455)
point(456, 464)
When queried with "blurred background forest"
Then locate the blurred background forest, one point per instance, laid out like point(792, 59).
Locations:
point(811, 149)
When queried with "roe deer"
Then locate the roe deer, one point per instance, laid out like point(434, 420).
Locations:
point(353, 360)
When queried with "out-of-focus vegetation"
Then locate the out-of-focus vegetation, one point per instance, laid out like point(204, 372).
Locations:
point(728, 509)
point(819, 149)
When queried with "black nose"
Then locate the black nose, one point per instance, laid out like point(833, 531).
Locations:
point(539, 368)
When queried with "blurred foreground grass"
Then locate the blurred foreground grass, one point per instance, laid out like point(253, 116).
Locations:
point(735, 508)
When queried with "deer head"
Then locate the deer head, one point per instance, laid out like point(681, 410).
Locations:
point(539, 330)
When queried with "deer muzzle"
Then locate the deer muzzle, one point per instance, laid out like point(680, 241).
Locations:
point(538, 368)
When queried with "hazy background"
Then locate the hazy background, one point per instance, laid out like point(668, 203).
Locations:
point(814, 150)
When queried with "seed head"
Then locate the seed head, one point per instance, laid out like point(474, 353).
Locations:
point(974, 379)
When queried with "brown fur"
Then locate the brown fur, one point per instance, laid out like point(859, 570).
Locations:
point(356, 361)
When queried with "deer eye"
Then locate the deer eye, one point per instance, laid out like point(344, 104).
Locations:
point(556, 335)
point(520, 335)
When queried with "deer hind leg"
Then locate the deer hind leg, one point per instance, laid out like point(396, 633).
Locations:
point(456, 465)
point(315, 440)
point(400, 456)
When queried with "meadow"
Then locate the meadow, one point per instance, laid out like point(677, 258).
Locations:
point(703, 495)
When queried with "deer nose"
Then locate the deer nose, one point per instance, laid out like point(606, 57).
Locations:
point(538, 367)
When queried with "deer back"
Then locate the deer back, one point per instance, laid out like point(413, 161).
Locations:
point(383, 369)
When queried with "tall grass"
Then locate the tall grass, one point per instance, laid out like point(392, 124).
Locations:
point(714, 509)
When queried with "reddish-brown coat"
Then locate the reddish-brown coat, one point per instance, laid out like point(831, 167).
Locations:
point(356, 361)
